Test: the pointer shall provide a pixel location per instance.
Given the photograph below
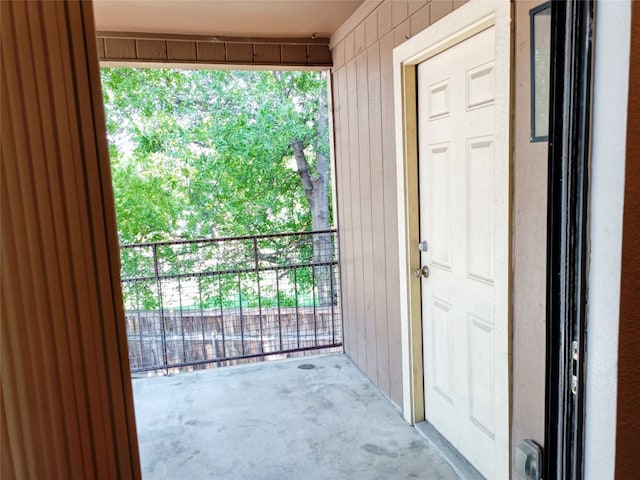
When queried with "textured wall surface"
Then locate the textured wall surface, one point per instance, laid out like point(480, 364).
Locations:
point(365, 157)
point(529, 263)
point(366, 180)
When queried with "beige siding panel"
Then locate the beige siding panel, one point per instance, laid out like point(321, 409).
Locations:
point(350, 218)
point(378, 220)
point(349, 47)
point(151, 49)
point(319, 54)
point(67, 405)
point(399, 11)
point(402, 32)
point(338, 185)
point(338, 56)
point(371, 30)
point(210, 52)
point(368, 286)
point(124, 48)
point(100, 44)
point(359, 39)
point(294, 54)
point(367, 204)
point(337, 165)
point(440, 9)
point(459, 3)
point(343, 209)
point(420, 20)
point(178, 50)
point(342, 185)
point(415, 5)
point(267, 53)
point(391, 218)
point(356, 221)
point(240, 52)
point(346, 216)
point(384, 18)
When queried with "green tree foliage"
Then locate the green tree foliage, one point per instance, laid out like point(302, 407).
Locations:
point(201, 153)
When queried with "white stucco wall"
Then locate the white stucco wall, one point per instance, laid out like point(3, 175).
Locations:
point(606, 206)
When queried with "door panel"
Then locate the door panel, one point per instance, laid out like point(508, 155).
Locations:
point(458, 175)
point(479, 209)
point(442, 348)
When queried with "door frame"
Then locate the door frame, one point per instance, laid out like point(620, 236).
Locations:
point(456, 27)
point(572, 56)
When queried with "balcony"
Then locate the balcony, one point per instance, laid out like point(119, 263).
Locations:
point(213, 302)
point(310, 418)
point(205, 303)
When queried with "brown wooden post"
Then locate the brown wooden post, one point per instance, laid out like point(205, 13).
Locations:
point(66, 406)
point(628, 419)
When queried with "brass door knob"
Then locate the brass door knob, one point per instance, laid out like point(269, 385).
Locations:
point(422, 272)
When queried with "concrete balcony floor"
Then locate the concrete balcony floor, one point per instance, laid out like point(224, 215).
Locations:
point(276, 421)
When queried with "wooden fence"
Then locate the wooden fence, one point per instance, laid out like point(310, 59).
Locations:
point(186, 340)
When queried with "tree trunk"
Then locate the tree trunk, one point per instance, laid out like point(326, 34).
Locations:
point(316, 189)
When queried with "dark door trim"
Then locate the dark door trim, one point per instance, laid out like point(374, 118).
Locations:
point(572, 29)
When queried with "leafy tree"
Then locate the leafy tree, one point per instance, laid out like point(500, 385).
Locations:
point(201, 153)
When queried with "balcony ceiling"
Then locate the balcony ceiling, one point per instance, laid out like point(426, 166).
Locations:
point(240, 18)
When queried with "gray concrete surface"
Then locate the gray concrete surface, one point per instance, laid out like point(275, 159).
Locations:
point(275, 421)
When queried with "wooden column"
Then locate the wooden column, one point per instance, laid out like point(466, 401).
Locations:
point(66, 406)
point(628, 424)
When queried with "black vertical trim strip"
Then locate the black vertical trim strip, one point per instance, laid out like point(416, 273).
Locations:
point(572, 26)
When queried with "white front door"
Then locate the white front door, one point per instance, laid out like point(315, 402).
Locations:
point(464, 194)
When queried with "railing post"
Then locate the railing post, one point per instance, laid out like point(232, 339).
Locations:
point(204, 347)
point(314, 289)
point(257, 267)
point(334, 294)
point(184, 344)
point(224, 347)
point(241, 317)
point(295, 289)
point(156, 271)
point(139, 327)
point(278, 300)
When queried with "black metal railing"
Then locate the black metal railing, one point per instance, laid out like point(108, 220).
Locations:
point(226, 300)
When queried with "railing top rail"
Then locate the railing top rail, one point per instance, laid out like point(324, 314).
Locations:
point(224, 239)
point(227, 271)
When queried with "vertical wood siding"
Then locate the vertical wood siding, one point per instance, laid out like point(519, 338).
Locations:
point(66, 404)
point(366, 183)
